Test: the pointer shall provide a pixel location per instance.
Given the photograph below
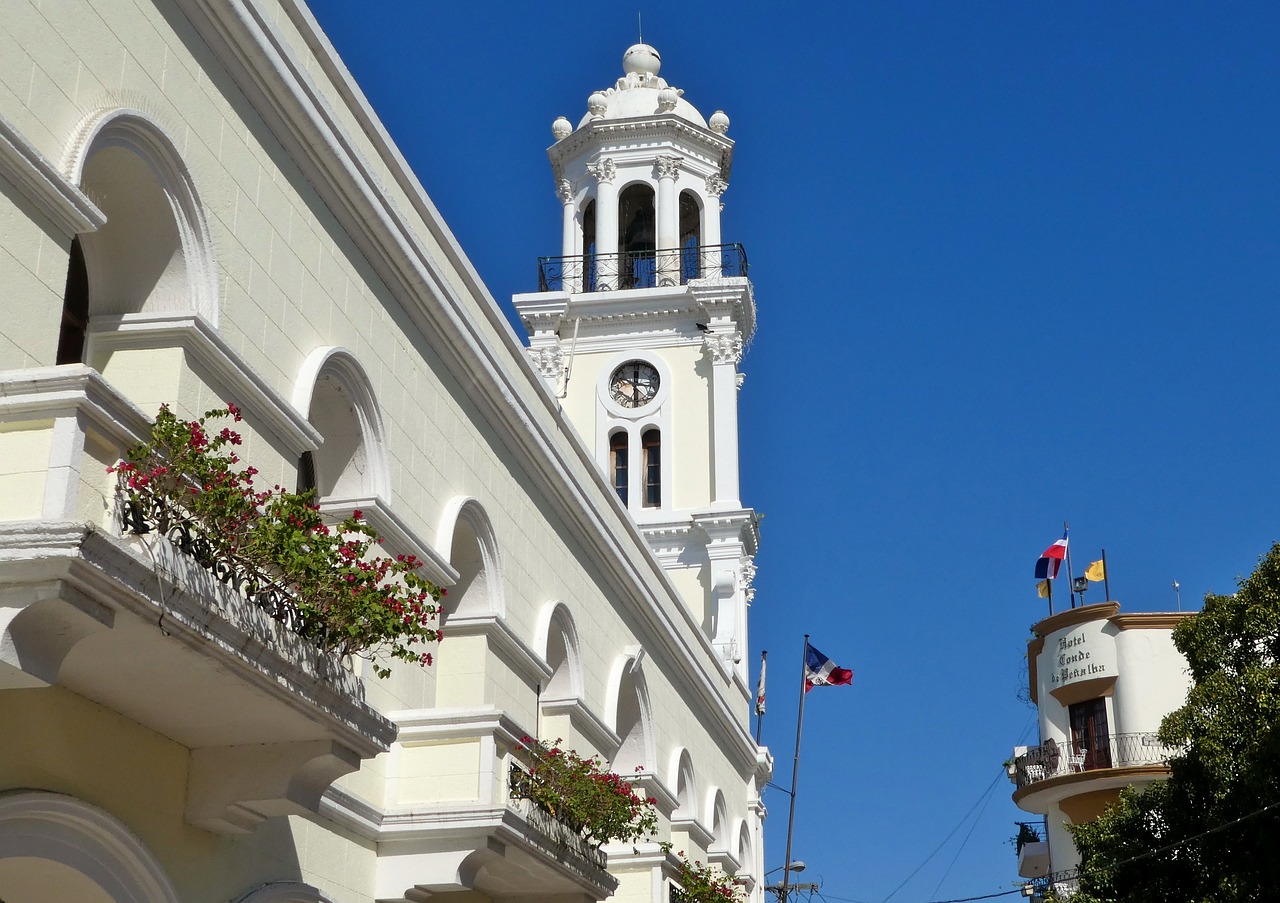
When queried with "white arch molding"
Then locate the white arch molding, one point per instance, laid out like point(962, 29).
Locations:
point(637, 738)
point(488, 597)
point(69, 832)
point(190, 283)
point(556, 621)
point(338, 364)
point(284, 892)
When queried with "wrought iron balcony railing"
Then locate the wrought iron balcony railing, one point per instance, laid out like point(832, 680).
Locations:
point(639, 269)
point(1052, 759)
point(563, 835)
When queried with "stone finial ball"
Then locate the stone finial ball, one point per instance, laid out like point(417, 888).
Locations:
point(642, 59)
point(719, 122)
point(597, 103)
point(561, 128)
point(667, 99)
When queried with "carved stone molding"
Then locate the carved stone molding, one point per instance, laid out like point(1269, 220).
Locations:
point(604, 170)
point(549, 361)
point(564, 190)
point(724, 348)
point(748, 577)
point(716, 185)
point(668, 166)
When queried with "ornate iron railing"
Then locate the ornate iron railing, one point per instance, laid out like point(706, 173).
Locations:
point(639, 269)
point(1052, 759)
point(259, 589)
point(565, 837)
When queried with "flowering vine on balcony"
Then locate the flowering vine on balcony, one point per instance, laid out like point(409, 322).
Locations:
point(602, 806)
point(329, 584)
point(704, 884)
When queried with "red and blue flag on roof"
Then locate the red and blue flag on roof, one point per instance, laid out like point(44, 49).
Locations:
point(1051, 560)
point(820, 671)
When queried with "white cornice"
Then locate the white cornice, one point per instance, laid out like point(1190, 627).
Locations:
point(230, 375)
point(503, 641)
point(585, 721)
point(49, 392)
point(508, 393)
point(601, 132)
point(39, 180)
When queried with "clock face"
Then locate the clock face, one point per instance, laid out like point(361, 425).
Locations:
point(634, 384)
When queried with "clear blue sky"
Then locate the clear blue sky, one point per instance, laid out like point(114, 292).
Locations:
point(1015, 263)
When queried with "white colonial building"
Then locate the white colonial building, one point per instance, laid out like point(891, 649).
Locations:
point(197, 205)
point(1102, 682)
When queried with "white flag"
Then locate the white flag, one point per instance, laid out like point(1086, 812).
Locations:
point(760, 688)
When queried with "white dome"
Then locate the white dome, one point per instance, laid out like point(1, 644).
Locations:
point(640, 92)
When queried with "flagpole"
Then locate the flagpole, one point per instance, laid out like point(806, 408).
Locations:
point(795, 774)
point(759, 693)
point(1070, 577)
point(1106, 576)
point(1049, 583)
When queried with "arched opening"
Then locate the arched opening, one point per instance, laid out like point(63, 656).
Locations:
point(562, 657)
point(618, 464)
point(153, 253)
point(690, 237)
point(350, 464)
point(589, 246)
point(637, 230)
point(465, 657)
point(719, 823)
point(686, 790)
point(746, 859)
point(75, 308)
point(632, 722)
point(58, 849)
point(651, 450)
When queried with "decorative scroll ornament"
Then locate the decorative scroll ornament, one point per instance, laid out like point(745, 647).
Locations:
point(564, 190)
point(668, 166)
point(724, 348)
point(716, 185)
point(748, 577)
point(603, 170)
point(549, 361)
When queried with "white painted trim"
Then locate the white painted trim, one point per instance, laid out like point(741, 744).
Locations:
point(468, 508)
point(141, 134)
point(584, 721)
point(82, 837)
point(344, 365)
point(503, 641)
point(66, 206)
point(573, 651)
point(229, 374)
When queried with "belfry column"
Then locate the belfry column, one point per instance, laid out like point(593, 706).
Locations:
point(711, 225)
point(604, 171)
point(668, 214)
point(725, 349)
point(571, 274)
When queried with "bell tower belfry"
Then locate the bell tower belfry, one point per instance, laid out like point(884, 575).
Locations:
point(639, 326)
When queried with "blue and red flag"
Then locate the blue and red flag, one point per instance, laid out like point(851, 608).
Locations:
point(820, 671)
point(1051, 560)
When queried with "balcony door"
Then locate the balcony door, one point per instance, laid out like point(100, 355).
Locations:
point(1090, 736)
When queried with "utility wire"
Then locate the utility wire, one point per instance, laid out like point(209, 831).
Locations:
point(978, 818)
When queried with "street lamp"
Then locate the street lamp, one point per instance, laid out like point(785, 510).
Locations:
point(783, 891)
point(795, 866)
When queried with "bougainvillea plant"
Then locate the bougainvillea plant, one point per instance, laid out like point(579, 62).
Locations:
point(705, 884)
point(602, 806)
point(340, 591)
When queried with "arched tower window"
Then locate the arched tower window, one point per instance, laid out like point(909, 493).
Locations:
point(589, 246)
point(690, 237)
point(75, 308)
point(618, 469)
point(637, 230)
point(651, 445)
point(337, 396)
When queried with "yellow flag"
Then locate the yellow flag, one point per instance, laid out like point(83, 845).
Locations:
point(1097, 571)
point(1042, 589)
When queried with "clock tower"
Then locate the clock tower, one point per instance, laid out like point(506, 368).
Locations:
point(639, 326)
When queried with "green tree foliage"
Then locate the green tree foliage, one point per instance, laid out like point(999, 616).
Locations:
point(1207, 833)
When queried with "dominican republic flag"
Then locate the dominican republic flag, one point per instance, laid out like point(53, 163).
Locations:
point(1051, 560)
point(820, 671)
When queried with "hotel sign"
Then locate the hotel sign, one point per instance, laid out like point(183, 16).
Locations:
point(1082, 652)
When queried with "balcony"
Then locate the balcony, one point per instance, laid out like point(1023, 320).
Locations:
point(558, 836)
point(640, 269)
point(138, 626)
point(1060, 769)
